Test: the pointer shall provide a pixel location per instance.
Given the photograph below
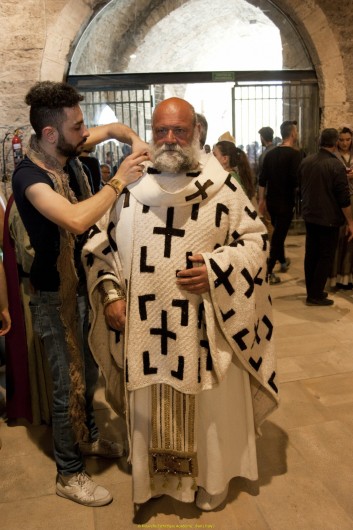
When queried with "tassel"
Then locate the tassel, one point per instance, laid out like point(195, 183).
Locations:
point(179, 484)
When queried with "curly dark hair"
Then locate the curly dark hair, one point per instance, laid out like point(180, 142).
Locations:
point(238, 160)
point(47, 100)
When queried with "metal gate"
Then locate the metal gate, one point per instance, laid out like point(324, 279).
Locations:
point(131, 107)
point(259, 105)
point(257, 101)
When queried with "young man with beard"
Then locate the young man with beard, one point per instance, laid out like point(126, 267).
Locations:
point(54, 201)
point(182, 306)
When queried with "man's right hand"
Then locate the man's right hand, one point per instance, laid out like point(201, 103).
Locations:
point(115, 314)
point(132, 168)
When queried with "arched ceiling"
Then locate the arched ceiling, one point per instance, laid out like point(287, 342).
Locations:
point(187, 35)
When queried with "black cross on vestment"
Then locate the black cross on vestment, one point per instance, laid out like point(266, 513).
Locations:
point(201, 190)
point(164, 333)
point(169, 232)
point(222, 276)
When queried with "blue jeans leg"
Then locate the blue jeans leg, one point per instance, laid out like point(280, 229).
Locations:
point(90, 367)
point(48, 325)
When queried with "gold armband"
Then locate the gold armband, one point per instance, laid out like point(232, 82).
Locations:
point(116, 185)
point(110, 292)
point(110, 299)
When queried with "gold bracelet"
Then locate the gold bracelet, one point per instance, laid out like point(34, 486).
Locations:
point(113, 298)
point(116, 185)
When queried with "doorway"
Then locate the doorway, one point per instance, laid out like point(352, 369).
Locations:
point(244, 102)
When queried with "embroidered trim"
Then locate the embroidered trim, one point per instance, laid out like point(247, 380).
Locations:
point(172, 450)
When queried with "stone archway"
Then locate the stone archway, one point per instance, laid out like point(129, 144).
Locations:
point(63, 35)
point(326, 56)
point(308, 17)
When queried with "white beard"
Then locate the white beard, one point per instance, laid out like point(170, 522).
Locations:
point(171, 158)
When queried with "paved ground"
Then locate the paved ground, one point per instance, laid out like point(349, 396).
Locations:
point(305, 453)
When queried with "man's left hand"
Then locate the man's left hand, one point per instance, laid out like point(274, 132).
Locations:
point(194, 280)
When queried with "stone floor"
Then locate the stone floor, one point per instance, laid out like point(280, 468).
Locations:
point(305, 454)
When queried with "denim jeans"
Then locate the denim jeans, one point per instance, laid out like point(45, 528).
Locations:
point(48, 325)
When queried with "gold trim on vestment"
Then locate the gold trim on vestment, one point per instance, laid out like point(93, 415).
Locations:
point(172, 450)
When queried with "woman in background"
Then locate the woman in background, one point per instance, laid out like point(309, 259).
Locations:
point(235, 161)
point(341, 276)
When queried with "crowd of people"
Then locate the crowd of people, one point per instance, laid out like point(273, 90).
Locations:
point(156, 273)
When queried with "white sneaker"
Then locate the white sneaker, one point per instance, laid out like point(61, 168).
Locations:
point(81, 488)
point(206, 502)
point(103, 448)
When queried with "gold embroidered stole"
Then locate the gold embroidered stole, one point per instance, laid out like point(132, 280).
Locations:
point(173, 445)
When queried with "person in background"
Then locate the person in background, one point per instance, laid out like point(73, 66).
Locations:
point(341, 274)
point(126, 150)
point(57, 208)
point(203, 130)
point(266, 138)
point(106, 173)
point(278, 182)
point(227, 137)
point(325, 207)
point(235, 161)
point(92, 164)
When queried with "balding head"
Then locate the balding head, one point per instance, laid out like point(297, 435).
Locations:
point(174, 121)
point(175, 134)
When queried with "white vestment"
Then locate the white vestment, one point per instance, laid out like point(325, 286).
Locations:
point(216, 350)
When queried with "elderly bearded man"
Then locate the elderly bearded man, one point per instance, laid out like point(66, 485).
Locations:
point(178, 289)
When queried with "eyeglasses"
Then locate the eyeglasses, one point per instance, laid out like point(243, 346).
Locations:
point(178, 132)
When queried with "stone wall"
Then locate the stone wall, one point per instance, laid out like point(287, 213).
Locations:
point(36, 42)
point(38, 38)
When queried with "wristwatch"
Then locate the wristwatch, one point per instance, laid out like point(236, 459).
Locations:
point(116, 185)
